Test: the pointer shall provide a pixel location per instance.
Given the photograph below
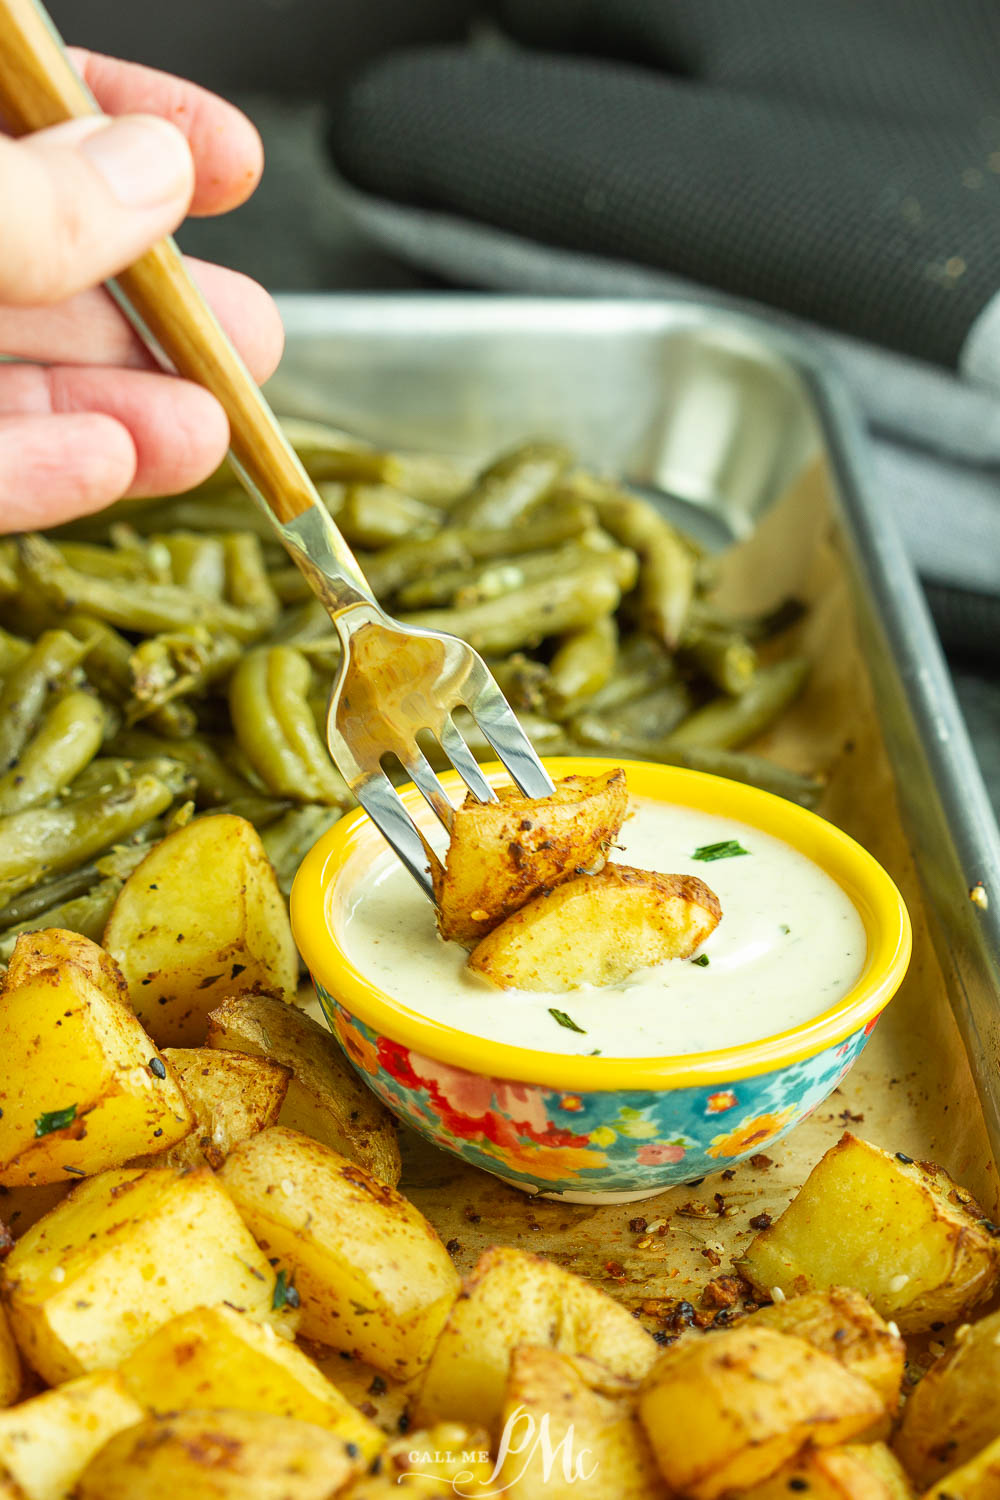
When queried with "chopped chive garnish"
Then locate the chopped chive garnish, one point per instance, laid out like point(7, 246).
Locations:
point(727, 849)
point(565, 1020)
point(784, 928)
point(55, 1119)
point(596, 1052)
point(701, 961)
point(285, 1294)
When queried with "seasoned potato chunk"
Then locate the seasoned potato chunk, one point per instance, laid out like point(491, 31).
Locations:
point(220, 1455)
point(232, 1097)
point(725, 1412)
point(372, 1275)
point(47, 1442)
point(82, 1088)
point(10, 1364)
point(125, 1252)
point(201, 911)
point(900, 1232)
point(503, 853)
point(955, 1409)
point(596, 929)
point(858, 1471)
point(510, 1299)
point(59, 948)
point(215, 1357)
point(842, 1323)
point(978, 1479)
point(326, 1099)
point(595, 1443)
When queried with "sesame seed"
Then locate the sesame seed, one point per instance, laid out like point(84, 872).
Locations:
point(936, 1348)
point(893, 1329)
point(898, 1282)
point(656, 1225)
point(287, 1185)
point(777, 1295)
point(58, 1273)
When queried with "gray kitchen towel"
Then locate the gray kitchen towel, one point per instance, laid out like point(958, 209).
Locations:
point(836, 168)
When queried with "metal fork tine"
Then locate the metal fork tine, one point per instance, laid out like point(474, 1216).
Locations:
point(499, 724)
point(382, 803)
point(465, 762)
point(422, 774)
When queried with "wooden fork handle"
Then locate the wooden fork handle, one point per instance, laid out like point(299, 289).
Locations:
point(40, 87)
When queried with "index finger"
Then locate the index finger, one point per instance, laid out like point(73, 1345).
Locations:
point(227, 150)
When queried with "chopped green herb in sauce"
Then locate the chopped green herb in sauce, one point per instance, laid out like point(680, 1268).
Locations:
point(285, 1294)
point(565, 1020)
point(701, 962)
point(54, 1119)
point(727, 849)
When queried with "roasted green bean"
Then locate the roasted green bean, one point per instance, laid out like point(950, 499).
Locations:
point(154, 607)
point(726, 723)
point(44, 841)
point(275, 728)
point(512, 485)
point(66, 740)
point(549, 607)
point(387, 571)
point(582, 664)
point(375, 515)
point(43, 670)
point(87, 914)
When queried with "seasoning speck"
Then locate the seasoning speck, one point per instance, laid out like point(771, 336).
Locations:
point(777, 1295)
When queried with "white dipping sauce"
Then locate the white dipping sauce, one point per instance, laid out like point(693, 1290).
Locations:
point(789, 945)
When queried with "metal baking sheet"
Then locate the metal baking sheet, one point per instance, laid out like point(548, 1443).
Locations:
point(717, 415)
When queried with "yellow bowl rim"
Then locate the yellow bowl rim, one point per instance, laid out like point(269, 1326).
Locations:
point(886, 921)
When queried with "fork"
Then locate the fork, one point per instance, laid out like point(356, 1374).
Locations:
point(393, 682)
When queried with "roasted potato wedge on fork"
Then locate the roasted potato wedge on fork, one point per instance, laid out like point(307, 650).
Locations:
point(597, 929)
point(504, 853)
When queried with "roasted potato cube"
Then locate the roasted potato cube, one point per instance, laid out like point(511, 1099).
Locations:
point(125, 1252)
point(83, 1087)
point(725, 1412)
point(373, 1278)
point(595, 1444)
point(215, 1357)
point(435, 1463)
point(900, 1232)
point(955, 1410)
point(220, 1455)
point(20, 1207)
point(326, 1099)
point(182, 942)
point(510, 1299)
point(978, 1479)
point(232, 1097)
point(503, 853)
point(858, 1471)
point(47, 1442)
point(10, 1364)
point(842, 1323)
point(57, 947)
point(597, 929)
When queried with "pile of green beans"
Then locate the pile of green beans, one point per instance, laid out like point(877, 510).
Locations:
point(165, 659)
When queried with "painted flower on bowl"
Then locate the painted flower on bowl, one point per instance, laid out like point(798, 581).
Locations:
point(750, 1133)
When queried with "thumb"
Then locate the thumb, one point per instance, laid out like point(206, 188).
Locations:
point(84, 199)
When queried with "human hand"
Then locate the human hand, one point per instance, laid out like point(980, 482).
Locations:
point(91, 420)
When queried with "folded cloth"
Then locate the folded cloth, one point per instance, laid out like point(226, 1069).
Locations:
point(838, 164)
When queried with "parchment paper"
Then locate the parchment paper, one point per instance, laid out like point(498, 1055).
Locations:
point(912, 1089)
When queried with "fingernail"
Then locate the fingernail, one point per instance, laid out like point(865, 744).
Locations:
point(144, 160)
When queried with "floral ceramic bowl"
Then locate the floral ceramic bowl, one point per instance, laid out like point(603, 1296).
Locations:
point(601, 1129)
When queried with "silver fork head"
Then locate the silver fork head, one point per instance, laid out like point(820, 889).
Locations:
point(395, 682)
